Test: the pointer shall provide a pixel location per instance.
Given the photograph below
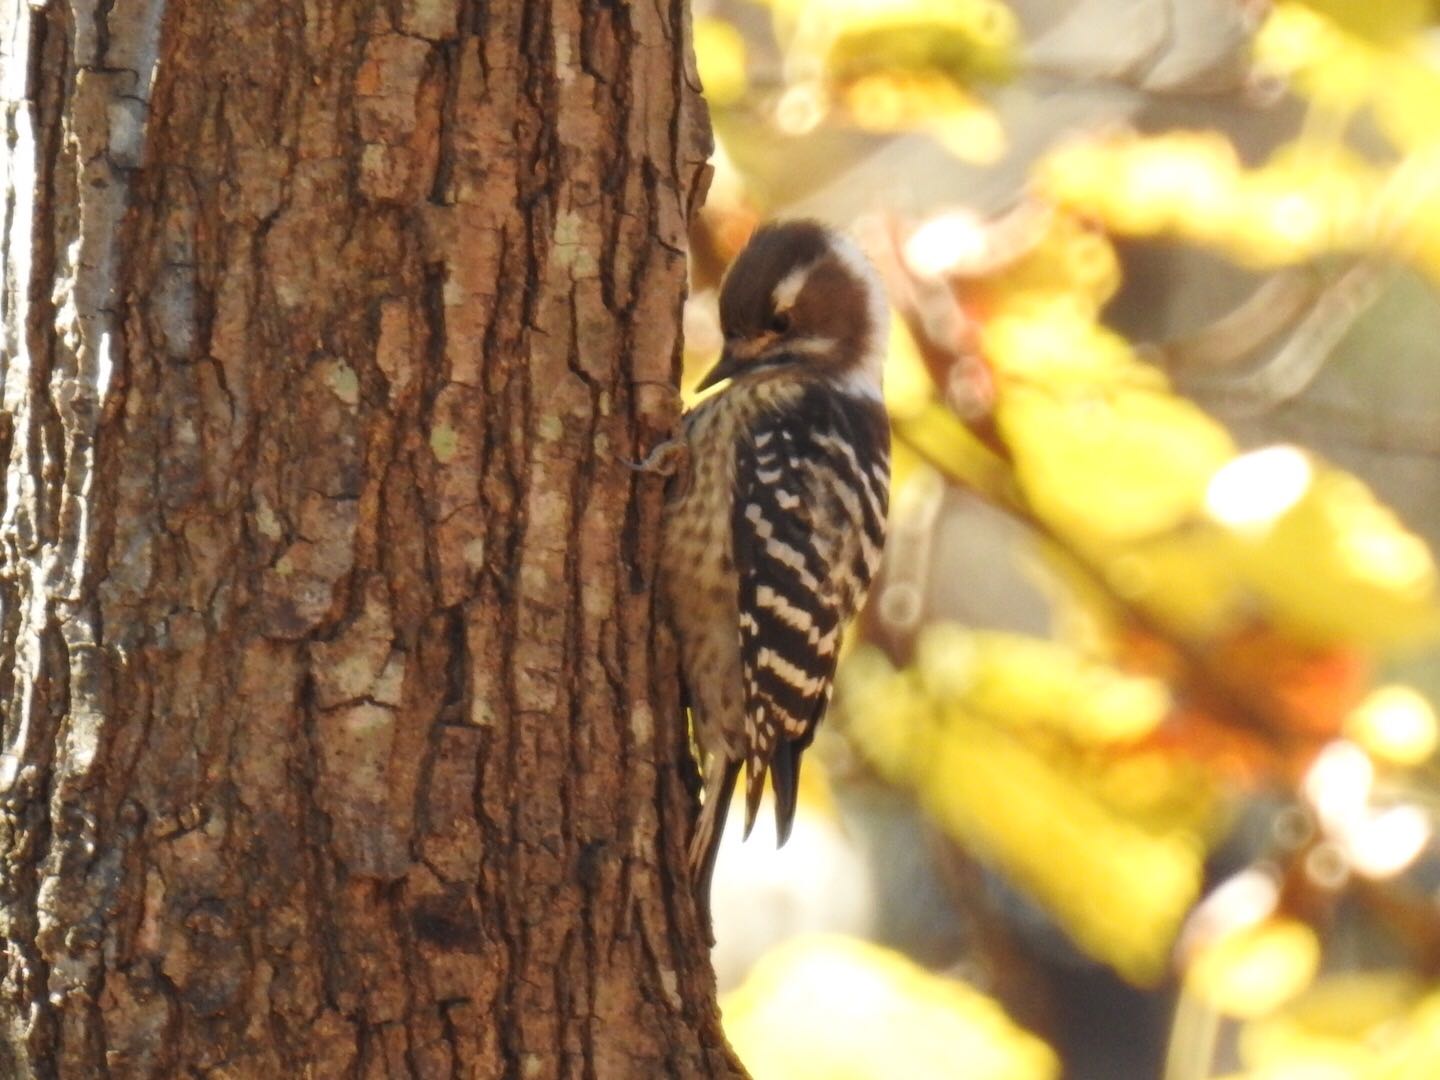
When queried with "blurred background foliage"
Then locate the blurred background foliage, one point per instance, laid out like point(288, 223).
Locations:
point(1131, 771)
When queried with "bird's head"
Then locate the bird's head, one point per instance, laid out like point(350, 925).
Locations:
point(801, 296)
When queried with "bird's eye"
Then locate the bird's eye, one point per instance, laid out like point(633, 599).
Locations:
point(780, 322)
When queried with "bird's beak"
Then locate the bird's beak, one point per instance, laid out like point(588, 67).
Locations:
point(730, 363)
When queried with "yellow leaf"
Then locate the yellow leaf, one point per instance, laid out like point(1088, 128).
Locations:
point(1187, 579)
point(1396, 724)
point(1303, 204)
point(1053, 337)
point(1359, 1025)
point(1117, 868)
point(905, 465)
point(1025, 681)
point(886, 712)
point(1339, 566)
point(1120, 890)
point(963, 39)
point(908, 386)
point(1111, 468)
point(1387, 22)
point(1256, 970)
point(720, 56)
point(1300, 44)
point(1144, 185)
point(1407, 102)
point(1328, 563)
point(1073, 256)
point(834, 1008)
point(939, 436)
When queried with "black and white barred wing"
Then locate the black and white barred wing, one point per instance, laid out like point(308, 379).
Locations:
point(809, 524)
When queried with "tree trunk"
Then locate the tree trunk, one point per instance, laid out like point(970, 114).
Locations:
point(335, 739)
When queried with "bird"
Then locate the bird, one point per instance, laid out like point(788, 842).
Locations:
point(774, 525)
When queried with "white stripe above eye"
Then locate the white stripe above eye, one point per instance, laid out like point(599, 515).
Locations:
point(790, 286)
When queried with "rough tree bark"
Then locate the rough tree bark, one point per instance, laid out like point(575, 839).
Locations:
point(335, 742)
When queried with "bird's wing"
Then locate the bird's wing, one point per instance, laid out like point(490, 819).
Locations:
point(808, 525)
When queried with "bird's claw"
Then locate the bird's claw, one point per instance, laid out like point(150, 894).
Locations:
point(665, 460)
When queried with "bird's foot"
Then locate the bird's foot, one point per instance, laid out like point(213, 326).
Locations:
point(667, 459)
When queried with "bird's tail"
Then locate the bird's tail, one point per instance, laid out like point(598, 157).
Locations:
point(720, 776)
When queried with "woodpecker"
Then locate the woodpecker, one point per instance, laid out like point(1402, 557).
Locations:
point(773, 533)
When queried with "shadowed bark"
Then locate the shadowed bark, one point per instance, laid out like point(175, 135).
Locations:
point(335, 742)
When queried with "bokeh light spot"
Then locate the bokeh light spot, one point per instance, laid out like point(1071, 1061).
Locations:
point(1396, 724)
point(1255, 971)
point(1254, 490)
point(947, 243)
point(1384, 844)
